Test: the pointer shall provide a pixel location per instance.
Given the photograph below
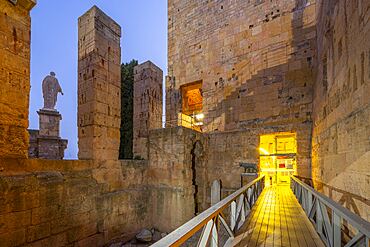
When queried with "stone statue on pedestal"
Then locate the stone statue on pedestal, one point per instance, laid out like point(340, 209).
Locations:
point(50, 90)
point(45, 143)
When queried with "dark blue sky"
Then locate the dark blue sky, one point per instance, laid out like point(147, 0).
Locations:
point(54, 48)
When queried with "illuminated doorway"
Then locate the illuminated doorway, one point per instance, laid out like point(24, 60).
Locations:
point(278, 157)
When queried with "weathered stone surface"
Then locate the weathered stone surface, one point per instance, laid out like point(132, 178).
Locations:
point(170, 176)
point(147, 105)
point(59, 203)
point(215, 192)
point(255, 61)
point(49, 122)
point(46, 142)
point(14, 77)
point(341, 108)
point(99, 82)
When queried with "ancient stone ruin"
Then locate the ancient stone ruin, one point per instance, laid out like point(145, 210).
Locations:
point(46, 143)
point(147, 106)
point(282, 84)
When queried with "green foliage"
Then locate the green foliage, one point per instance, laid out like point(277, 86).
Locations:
point(127, 109)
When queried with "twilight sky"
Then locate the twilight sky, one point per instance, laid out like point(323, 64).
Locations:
point(54, 48)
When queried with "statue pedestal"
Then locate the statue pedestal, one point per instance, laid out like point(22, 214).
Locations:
point(49, 122)
point(46, 142)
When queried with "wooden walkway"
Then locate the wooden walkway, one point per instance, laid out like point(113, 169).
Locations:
point(277, 219)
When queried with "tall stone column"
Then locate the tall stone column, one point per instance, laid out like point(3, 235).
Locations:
point(15, 26)
point(99, 86)
point(147, 105)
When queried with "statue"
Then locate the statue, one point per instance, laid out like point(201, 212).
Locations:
point(50, 90)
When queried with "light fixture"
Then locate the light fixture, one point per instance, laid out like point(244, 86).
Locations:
point(264, 151)
point(199, 116)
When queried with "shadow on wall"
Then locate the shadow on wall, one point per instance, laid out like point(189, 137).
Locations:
point(278, 96)
point(288, 84)
point(340, 147)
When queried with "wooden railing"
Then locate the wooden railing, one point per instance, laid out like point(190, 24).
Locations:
point(330, 219)
point(237, 206)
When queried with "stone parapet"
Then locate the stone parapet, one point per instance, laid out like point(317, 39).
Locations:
point(81, 203)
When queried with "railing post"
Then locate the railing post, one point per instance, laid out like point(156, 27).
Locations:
point(309, 202)
point(303, 201)
point(214, 235)
point(232, 215)
point(205, 234)
point(318, 218)
point(249, 197)
point(337, 224)
point(211, 218)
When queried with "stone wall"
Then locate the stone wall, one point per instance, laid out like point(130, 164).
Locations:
point(15, 26)
point(256, 62)
point(99, 86)
point(79, 203)
point(173, 175)
point(147, 105)
point(254, 59)
point(93, 203)
point(340, 143)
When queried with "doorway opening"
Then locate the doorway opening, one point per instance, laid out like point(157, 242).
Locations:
point(278, 157)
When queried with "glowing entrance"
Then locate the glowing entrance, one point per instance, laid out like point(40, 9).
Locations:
point(278, 157)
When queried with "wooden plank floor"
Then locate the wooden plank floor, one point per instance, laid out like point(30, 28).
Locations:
point(277, 219)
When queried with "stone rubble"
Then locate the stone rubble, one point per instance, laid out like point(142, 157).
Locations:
point(143, 239)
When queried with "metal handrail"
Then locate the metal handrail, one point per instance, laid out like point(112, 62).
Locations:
point(315, 205)
point(240, 203)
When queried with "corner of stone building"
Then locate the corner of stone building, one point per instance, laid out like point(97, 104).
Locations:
point(14, 137)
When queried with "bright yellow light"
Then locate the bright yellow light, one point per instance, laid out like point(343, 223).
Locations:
point(264, 151)
point(199, 116)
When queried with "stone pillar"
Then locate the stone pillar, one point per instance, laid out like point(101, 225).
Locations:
point(215, 192)
point(99, 86)
point(147, 105)
point(15, 26)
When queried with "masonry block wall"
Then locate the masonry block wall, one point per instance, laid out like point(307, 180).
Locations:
point(256, 63)
point(341, 110)
point(147, 105)
point(99, 78)
point(174, 174)
point(72, 203)
point(15, 26)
